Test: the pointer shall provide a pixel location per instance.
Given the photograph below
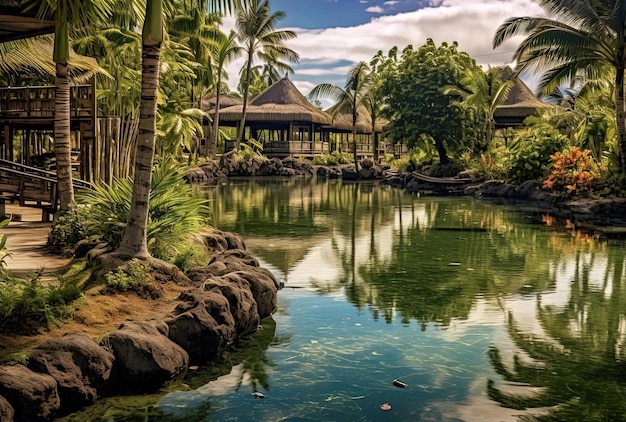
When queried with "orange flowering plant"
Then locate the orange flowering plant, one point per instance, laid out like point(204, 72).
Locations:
point(573, 172)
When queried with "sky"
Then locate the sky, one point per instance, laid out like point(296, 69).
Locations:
point(334, 35)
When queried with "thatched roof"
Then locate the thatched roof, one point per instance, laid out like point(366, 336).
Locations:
point(281, 102)
point(521, 102)
point(207, 103)
point(16, 24)
point(342, 121)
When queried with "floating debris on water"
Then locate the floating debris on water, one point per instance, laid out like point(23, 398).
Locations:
point(454, 264)
point(385, 406)
point(258, 395)
point(399, 383)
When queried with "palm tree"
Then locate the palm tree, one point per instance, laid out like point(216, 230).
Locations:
point(485, 91)
point(349, 98)
point(134, 241)
point(255, 27)
point(66, 11)
point(579, 39)
point(226, 50)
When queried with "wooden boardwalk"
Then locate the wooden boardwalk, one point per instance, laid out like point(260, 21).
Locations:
point(26, 243)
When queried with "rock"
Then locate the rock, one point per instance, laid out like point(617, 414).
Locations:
point(33, 396)
point(366, 174)
point(366, 164)
point(526, 189)
point(6, 410)
point(202, 324)
point(79, 365)
point(230, 261)
point(243, 306)
point(264, 287)
point(145, 357)
point(218, 242)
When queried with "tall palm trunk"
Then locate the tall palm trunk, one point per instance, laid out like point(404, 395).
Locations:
point(216, 118)
point(620, 116)
point(62, 144)
point(242, 124)
point(135, 240)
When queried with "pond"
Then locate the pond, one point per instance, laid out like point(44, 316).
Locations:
point(478, 311)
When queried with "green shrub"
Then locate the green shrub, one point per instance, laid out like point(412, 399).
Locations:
point(4, 253)
point(133, 276)
point(333, 159)
point(250, 148)
point(531, 150)
point(189, 256)
point(67, 230)
point(174, 212)
point(26, 305)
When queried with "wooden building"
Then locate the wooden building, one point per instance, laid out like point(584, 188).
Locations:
point(520, 103)
point(283, 120)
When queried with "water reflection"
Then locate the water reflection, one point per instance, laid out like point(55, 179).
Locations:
point(436, 260)
point(486, 315)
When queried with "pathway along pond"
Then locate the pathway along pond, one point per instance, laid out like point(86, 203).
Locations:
point(481, 311)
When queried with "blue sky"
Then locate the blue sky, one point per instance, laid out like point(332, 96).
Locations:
point(333, 35)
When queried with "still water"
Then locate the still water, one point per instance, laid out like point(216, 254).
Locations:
point(485, 312)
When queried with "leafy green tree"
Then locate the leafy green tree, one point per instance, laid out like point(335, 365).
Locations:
point(349, 98)
point(417, 108)
point(256, 30)
point(485, 91)
point(578, 38)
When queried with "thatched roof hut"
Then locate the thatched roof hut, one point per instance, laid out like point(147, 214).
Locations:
point(281, 102)
point(520, 103)
point(342, 121)
point(207, 104)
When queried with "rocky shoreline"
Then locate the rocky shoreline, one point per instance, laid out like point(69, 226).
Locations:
point(603, 216)
point(226, 300)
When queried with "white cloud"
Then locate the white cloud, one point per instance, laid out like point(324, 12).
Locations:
point(374, 9)
point(471, 23)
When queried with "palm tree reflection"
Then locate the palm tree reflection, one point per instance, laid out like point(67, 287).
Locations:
point(575, 370)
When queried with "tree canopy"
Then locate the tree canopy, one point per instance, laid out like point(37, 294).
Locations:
point(418, 110)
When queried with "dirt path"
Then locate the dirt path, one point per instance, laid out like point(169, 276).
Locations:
point(26, 241)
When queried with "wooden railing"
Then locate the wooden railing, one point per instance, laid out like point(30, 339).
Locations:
point(31, 187)
point(38, 101)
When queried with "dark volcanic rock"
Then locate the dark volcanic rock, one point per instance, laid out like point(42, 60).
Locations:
point(33, 396)
point(78, 364)
point(202, 324)
point(6, 410)
point(144, 356)
point(243, 306)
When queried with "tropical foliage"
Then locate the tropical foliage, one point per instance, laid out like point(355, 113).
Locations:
point(173, 216)
point(578, 38)
point(426, 114)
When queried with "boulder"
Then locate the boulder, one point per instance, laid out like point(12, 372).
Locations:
point(217, 241)
point(264, 287)
point(79, 365)
point(145, 357)
point(243, 306)
point(202, 324)
point(33, 396)
point(6, 410)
